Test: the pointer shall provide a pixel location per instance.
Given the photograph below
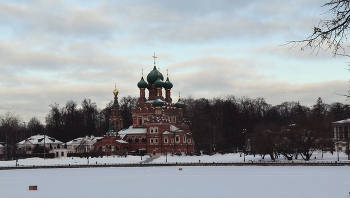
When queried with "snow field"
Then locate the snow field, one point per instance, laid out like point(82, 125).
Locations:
point(231, 181)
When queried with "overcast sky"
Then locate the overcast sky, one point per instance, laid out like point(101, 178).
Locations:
point(55, 51)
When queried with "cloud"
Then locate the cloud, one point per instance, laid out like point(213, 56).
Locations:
point(55, 51)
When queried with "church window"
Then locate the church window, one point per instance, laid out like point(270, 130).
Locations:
point(165, 140)
point(172, 140)
point(156, 140)
point(177, 138)
point(154, 130)
point(184, 138)
point(151, 140)
point(140, 120)
point(143, 140)
point(136, 140)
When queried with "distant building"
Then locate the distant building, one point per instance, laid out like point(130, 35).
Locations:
point(158, 125)
point(26, 146)
point(341, 130)
point(2, 149)
point(82, 144)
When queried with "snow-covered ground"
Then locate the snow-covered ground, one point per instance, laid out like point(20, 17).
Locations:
point(192, 181)
point(235, 157)
point(169, 181)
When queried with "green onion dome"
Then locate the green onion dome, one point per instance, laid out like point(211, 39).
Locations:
point(158, 83)
point(179, 104)
point(142, 83)
point(168, 84)
point(154, 75)
point(158, 103)
point(149, 87)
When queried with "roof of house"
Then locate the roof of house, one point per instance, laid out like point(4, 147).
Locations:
point(39, 139)
point(78, 140)
point(342, 121)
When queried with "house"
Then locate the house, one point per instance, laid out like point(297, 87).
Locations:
point(82, 144)
point(158, 125)
point(341, 131)
point(26, 146)
point(2, 149)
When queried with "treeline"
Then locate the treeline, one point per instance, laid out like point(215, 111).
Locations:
point(217, 124)
point(290, 128)
point(64, 123)
point(69, 122)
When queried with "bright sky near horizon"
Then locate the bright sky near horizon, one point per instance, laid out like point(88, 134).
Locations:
point(56, 51)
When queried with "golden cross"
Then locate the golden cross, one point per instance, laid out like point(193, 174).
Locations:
point(154, 57)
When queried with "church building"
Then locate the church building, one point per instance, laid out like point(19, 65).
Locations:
point(158, 125)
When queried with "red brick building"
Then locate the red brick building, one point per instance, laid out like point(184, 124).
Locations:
point(158, 124)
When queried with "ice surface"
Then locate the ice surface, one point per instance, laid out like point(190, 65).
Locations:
point(191, 181)
point(229, 181)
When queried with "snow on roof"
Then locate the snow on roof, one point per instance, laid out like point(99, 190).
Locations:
point(122, 141)
point(166, 133)
point(39, 139)
point(93, 139)
point(132, 130)
point(342, 121)
point(175, 129)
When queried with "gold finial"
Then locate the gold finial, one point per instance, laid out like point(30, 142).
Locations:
point(115, 92)
point(154, 57)
point(167, 73)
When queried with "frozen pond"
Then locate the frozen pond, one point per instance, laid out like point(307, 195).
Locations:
point(232, 181)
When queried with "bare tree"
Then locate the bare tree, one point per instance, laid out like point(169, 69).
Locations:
point(9, 126)
point(330, 34)
point(34, 127)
